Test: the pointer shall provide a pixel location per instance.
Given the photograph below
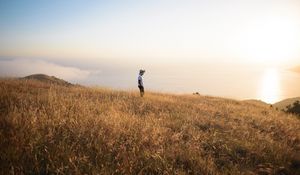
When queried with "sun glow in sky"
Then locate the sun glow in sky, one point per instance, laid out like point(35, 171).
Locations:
point(270, 90)
point(99, 38)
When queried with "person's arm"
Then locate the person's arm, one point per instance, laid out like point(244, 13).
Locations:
point(140, 81)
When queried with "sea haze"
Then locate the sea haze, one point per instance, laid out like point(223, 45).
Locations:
point(232, 80)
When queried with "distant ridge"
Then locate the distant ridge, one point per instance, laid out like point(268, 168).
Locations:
point(257, 102)
point(284, 103)
point(48, 79)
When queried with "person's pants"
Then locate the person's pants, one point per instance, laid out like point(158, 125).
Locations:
point(141, 90)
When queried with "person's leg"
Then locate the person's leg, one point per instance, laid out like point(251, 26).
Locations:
point(142, 91)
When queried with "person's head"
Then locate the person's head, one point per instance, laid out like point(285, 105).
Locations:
point(142, 72)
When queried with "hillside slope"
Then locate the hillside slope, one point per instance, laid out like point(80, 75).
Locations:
point(77, 130)
point(257, 102)
point(284, 103)
point(47, 79)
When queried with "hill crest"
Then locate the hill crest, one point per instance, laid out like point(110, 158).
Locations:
point(284, 103)
point(48, 79)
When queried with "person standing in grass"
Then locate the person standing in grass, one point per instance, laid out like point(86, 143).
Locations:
point(140, 82)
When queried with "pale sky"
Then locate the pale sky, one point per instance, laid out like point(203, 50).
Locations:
point(152, 31)
point(90, 37)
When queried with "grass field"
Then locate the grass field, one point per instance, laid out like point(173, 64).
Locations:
point(48, 129)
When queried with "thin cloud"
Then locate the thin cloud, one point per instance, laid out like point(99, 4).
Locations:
point(24, 67)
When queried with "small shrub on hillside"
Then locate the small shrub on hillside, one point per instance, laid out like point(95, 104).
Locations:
point(295, 109)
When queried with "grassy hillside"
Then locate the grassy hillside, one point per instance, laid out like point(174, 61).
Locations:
point(47, 79)
point(47, 129)
point(257, 102)
point(282, 105)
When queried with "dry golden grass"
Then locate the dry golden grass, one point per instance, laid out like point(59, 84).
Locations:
point(47, 129)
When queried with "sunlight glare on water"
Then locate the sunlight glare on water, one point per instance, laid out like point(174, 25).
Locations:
point(270, 86)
